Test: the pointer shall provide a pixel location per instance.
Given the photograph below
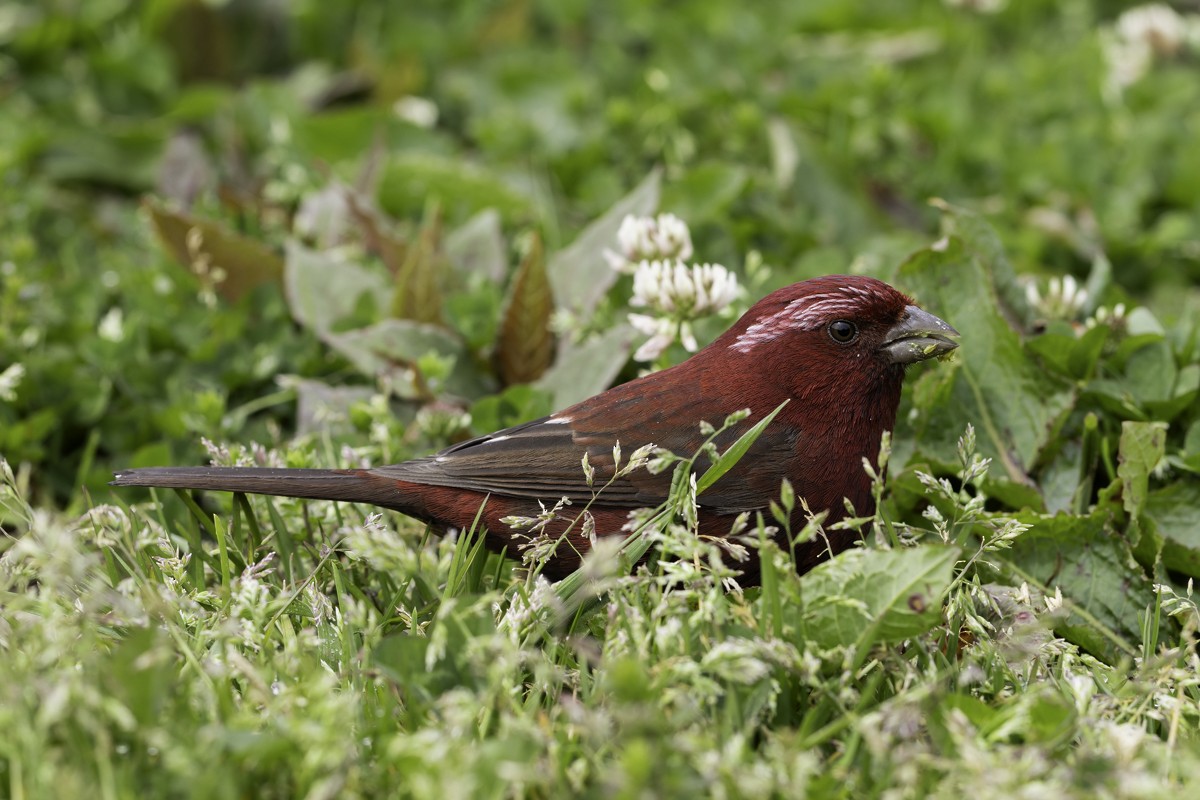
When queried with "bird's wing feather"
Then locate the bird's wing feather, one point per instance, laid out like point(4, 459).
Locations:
point(542, 459)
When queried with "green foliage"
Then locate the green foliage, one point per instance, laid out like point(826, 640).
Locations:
point(868, 598)
point(237, 222)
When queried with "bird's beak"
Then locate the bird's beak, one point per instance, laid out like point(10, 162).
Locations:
point(917, 336)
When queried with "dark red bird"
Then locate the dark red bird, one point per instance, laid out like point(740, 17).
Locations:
point(836, 346)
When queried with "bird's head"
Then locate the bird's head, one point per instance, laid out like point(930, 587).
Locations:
point(836, 333)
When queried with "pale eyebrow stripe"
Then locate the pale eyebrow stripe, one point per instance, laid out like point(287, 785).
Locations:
point(805, 313)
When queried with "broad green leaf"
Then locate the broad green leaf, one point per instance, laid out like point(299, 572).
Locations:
point(1183, 395)
point(984, 243)
point(1114, 397)
point(583, 370)
point(1067, 354)
point(322, 292)
point(1053, 347)
point(1150, 373)
point(705, 191)
point(818, 199)
point(1142, 322)
point(316, 399)
point(123, 155)
point(378, 234)
point(392, 348)
point(139, 673)
point(1014, 404)
point(1175, 513)
point(416, 294)
point(341, 135)
point(866, 597)
point(514, 405)
point(526, 344)
point(579, 274)
point(1142, 447)
point(409, 182)
point(402, 656)
point(477, 247)
point(1059, 477)
point(1189, 458)
point(1043, 717)
point(1088, 559)
point(1085, 353)
point(233, 263)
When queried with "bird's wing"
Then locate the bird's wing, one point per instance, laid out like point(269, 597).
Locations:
point(542, 459)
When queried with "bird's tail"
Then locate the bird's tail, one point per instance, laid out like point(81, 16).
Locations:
point(352, 485)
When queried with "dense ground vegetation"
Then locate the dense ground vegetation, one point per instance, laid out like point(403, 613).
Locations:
point(341, 233)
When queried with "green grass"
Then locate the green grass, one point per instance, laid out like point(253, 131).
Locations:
point(143, 659)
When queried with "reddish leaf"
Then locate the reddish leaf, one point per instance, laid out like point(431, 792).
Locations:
point(231, 263)
point(417, 295)
point(525, 347)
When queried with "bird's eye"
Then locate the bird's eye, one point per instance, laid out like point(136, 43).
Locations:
point(843, 331)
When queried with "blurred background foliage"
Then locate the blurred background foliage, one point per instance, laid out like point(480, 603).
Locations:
point(479, 139)
point(310, 233)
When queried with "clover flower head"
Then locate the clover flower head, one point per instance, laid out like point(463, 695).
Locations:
point(419, 111)
point(648, 239)
point(683, 291)
point(662, 331)
point(1142, 34)
point(112, 326)
point(1156, 25)
point(678, 293)
point(10, 379)
point(1112, 317)
point(655, 251)
point(1064, 298)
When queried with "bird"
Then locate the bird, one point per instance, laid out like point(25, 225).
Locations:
point(835, 347)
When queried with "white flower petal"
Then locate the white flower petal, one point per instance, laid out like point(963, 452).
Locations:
point(644, 323)
point(653, 348)
point(688, 338)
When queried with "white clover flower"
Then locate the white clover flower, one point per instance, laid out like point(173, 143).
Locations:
point(650, 239)
point(419, 111)
point(1112, 317)
point(635, 237)
point(687, 292)
point(661, 330)
point(112, 326)
point(1128, 63)
point(672, 237)
point(654, 251)
point(10, 379)
point(679, 293)
point(1157, 26)
point(1142, 34)
point(1064, 298)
